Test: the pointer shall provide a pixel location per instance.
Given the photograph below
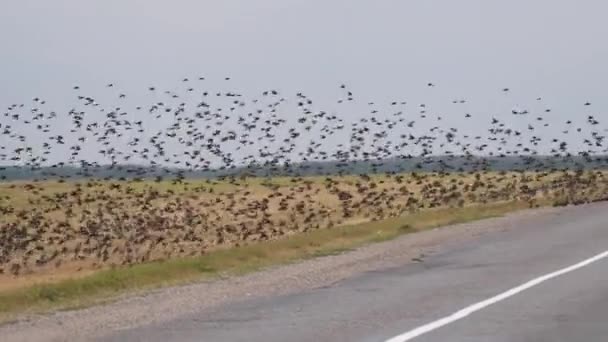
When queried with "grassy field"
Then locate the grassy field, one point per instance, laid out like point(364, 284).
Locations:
point(65, 244)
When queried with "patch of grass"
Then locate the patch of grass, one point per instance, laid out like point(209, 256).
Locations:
point(107, 284)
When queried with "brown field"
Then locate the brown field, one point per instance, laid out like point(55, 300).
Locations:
point(51, 227)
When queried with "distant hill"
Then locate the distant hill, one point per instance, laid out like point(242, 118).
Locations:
point(312, 168)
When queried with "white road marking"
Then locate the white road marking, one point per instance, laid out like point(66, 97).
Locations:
point(478, 306)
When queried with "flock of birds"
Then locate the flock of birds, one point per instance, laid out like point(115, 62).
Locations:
point(108, 185)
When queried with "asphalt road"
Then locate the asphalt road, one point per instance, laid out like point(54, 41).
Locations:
point(380, 304)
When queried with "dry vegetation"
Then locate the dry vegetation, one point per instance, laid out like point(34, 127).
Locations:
point(51, 228)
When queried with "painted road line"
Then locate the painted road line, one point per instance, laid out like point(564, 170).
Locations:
point(407, 336)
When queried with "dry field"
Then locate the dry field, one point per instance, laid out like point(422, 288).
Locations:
point(78, 226)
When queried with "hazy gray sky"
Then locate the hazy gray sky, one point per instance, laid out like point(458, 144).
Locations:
point(382, 49)
point(541, 46)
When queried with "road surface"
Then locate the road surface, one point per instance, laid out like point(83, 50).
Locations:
point(461, 267)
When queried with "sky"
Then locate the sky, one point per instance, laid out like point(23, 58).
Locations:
point(383, 50)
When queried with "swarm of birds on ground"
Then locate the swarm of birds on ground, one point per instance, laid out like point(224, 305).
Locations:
point(105, 185)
